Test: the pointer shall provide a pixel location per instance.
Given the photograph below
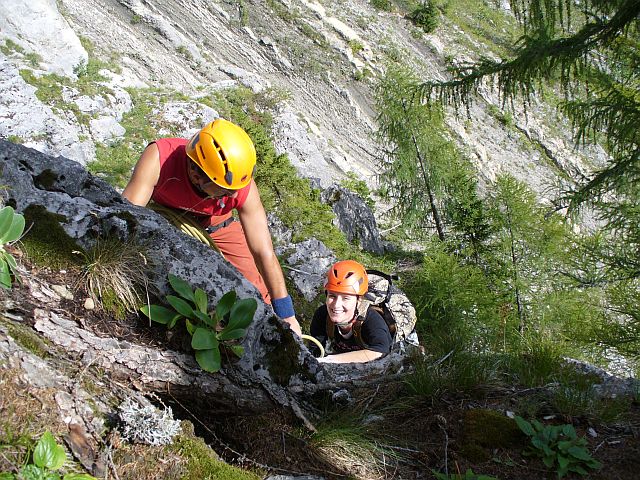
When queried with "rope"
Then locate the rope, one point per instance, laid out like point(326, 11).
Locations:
point(314, 340)
point(185, 223)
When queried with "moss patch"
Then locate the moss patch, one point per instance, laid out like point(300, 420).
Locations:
point(26, 338)
point(485, 430)
point(112, 304)
point(46, 243)
point(203, 462)
point(282, 358)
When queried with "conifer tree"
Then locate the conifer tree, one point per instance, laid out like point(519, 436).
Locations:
point(527, 243)
point(415, 149)
point(423, 172)
point(593, 49)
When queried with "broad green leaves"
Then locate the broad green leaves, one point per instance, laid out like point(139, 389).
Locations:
point(48, 457)
point(559, 446)
point(11, 228)
point(229, 322)
point(48, 454)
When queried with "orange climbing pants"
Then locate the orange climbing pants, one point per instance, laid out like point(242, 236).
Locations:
point(232, 244)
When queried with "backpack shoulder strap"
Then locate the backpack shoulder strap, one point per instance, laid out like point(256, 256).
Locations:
point(329, 328)
point(357, 331)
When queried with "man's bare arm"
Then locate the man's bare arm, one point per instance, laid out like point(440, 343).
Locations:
point(256, 230)
point(145, 177)
point(357, 356)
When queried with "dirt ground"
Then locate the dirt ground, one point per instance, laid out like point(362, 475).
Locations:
point(425, 438)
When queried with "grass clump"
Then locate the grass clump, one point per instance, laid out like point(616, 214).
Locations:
point(457, 372)
point(115, 275)
point(114, 162)
point(343, 439)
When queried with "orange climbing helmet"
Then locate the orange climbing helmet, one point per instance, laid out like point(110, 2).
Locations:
point(348, 277)
point(225, 152)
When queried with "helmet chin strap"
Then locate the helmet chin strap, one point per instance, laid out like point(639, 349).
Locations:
point(350, 322)
point(344, 324)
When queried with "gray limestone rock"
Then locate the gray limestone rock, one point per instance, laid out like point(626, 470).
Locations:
point(309, 264)
point(354, 218)
point(39, 27)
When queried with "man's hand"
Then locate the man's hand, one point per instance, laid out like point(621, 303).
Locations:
point(293, 323)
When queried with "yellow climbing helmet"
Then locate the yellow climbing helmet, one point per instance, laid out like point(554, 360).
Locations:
point(225, 153)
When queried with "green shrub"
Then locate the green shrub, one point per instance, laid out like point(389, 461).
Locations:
point(384, 5)
point(425, 16)
point(228, 322)
point(558, 446)
point(354, 184)
point(356, 46)
point(454, 305)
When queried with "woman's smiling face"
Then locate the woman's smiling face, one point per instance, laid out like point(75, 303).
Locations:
point(341, 306)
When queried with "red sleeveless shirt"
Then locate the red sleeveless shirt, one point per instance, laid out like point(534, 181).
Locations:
point(175, 190)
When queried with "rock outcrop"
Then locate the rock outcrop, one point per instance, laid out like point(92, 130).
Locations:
point(275, 369)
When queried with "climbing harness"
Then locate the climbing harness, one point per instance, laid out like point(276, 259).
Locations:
point(188, 225)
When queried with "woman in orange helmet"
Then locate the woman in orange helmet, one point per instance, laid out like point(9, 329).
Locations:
point(207, 177)
point(347, 334)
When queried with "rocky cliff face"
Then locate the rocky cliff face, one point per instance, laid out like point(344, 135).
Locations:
point(321, 55)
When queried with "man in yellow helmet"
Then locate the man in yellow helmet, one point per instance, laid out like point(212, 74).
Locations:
point(209, 176)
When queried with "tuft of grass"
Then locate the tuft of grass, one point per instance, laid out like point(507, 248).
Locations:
point(458, 372)
point(537, 362)
point(359, 449)
point(289, 15)
point(115, 274)
point(114, 162)
point(10, 47)
point(356, 46)
point(15, 139)
point(314, 35)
